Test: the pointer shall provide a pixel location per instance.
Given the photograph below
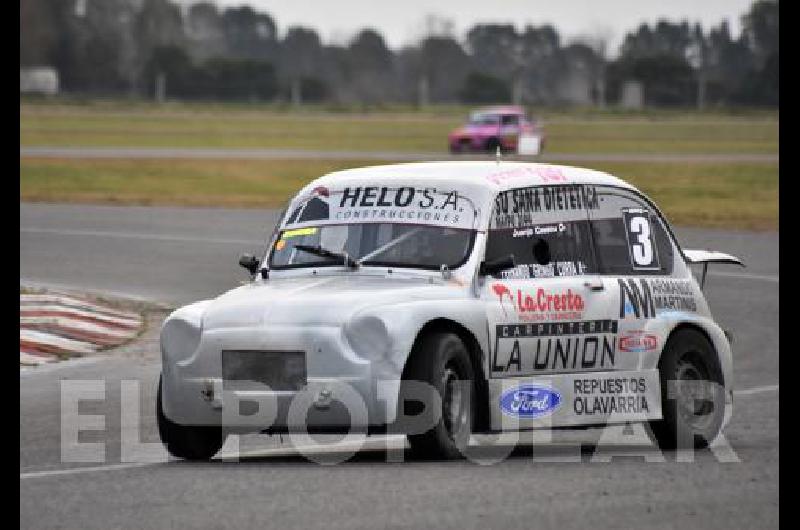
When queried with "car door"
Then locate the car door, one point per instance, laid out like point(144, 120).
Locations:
point(509, 129)
point(548, 318)
point(640, 268)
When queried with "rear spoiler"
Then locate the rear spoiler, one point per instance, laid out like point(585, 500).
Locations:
point(709, 256)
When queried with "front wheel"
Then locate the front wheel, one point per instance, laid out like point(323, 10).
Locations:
point(692, 395)
point(443, 364)
point(186, 441)
point(491, 146)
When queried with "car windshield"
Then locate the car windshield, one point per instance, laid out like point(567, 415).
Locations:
point(381, 244)
point(484, 119)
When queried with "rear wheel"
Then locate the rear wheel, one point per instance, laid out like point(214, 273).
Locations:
point(185, 441)
point(694, 410)
point(443, 362)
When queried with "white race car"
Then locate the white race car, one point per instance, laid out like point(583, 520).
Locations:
point(443, 299)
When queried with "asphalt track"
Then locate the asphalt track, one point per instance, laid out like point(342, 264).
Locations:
point(400, 156)
point(175, 255)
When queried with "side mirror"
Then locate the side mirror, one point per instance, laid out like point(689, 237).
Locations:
point(249, 262)
point(497, 265)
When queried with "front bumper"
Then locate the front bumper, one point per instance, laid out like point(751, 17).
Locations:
point(341, 389)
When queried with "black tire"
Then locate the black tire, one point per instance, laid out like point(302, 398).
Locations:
point(492, 144)
point(440, 360)
point(185, 441)
point(689, 421)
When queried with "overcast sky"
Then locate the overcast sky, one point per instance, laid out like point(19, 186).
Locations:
point(402, 21)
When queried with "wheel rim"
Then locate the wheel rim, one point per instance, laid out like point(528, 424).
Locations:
point(453, 406)
point(695, 402)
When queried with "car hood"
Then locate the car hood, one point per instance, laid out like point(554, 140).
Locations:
point(318, 300)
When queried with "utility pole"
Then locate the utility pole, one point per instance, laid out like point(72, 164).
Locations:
point(161, 87)
point(297, 93)
point(701, 88)
point(516, 90)
point(80, 8)
point(422, 92)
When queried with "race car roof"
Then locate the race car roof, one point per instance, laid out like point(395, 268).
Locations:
point(500, 109)
point(477, 182)
point(487, 176)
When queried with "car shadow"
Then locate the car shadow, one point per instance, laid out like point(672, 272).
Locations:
point(476, 455)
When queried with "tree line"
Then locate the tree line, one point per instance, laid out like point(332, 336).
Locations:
point(146, 47)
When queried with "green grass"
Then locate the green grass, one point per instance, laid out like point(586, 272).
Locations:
point(394, 129)
point(734, 195)
point(251, 183)
point(731, 195)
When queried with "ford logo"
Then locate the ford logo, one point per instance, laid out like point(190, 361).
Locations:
point(529, 401)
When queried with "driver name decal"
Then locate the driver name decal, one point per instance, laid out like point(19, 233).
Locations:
point(526, 207)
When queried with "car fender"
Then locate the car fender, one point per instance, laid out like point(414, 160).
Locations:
point(386, 335)
point(673, 320)
point(179, 339)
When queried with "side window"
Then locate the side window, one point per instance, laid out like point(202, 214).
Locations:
point(510, 119)
point(545, 228)
point(629, 236)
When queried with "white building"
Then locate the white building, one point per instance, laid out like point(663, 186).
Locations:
point(38, 80)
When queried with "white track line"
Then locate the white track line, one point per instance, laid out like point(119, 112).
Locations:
point(78, 470)
point(136, 235)
point(756, 390)
point(745, 276)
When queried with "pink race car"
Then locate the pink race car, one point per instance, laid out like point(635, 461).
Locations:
point(493, 127)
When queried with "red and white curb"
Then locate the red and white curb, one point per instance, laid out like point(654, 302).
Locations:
point(57, 325)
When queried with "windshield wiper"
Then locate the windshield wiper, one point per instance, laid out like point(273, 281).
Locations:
point(318, 250)
point(388, 245)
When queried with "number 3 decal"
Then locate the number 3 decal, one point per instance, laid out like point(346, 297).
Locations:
point(640, 241)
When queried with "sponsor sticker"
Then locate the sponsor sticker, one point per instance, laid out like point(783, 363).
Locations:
point(638, 342)
point(642, 297)
point(529, 401)
point(299, 232)
point(525, 207)
point(539, 230)
point(525, 349)
point(382, 204)
point(541, 304)
point(610, 395)
point(550, 270)
point(546, 174)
